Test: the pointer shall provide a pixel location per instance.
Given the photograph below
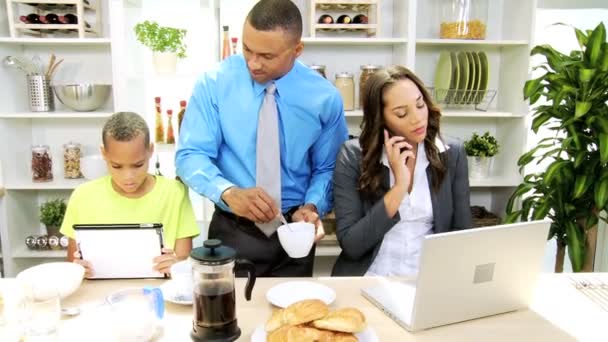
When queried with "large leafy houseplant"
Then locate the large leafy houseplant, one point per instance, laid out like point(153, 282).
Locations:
point(573, 190)
point(160, 38)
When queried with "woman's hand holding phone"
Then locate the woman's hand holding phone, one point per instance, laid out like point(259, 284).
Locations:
point(397, 152)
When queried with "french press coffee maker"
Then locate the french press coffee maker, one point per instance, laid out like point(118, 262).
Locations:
point(213, 267)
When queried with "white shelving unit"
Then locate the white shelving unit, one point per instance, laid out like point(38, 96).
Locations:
point(408, 35)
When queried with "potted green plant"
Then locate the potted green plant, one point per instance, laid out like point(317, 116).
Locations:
point(166, 43)
point(573, 190)
point(51, 215)
point(480, 151)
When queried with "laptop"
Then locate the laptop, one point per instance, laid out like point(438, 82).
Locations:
point(120, 251)
point(466, 274)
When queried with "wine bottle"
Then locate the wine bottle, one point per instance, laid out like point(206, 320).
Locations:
point(180, 115)
point(360, 19)
point(170, 133)
point(50, 18)
point(226, 44)
point(344, 19)
point(31, 18)
point(326, 19)
point(159, 136)
point(70, 18)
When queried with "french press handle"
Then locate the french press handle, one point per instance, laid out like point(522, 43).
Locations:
point(246, 265)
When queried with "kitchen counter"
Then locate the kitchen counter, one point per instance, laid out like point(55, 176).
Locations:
point(559, 312)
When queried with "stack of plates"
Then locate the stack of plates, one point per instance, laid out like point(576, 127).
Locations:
point(461, 77)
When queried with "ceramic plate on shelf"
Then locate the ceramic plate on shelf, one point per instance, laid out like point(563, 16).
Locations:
point(455, 77)
point(477, 64)
point(463, 64)
point(443, 76)
point(289, 292)
point(472, 78)
point(367, 335)
point(485, 73)
point(170, 293)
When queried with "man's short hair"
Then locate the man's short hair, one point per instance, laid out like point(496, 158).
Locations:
point(125, 126)
point(269, 15)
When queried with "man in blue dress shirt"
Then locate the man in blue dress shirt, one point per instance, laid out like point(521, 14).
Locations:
point(216, 153)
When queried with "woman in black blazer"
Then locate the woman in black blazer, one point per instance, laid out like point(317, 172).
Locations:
point(399, 181)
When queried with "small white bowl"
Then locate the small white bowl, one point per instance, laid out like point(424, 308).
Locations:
point(52, 279)
point(93, 166)
point(297, 238)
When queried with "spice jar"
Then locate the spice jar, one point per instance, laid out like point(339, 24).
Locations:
point(71, 160)
point(463, 19)
point(319, 68)
point(42, 164)
point(346, 85)
point(366, 72)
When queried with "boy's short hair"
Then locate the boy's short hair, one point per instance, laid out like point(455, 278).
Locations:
point(125, 126)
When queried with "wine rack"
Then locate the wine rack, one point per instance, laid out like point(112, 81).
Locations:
point(81, 9)
point(368, 10)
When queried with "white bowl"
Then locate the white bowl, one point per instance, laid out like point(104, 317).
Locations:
point(51, 279)
point(93, 166)
point(297, 238)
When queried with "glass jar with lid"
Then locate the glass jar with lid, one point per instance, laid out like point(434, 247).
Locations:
point(463, 19)
point(366, 72)
point(319, 68)
point(345, 82)
point(71, 160)
point(42, 164)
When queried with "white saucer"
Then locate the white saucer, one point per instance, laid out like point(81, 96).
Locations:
point(287, 293)
point(170, 294)
point(367, 335)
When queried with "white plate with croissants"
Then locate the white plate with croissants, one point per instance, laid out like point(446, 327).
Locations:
point(313, 320)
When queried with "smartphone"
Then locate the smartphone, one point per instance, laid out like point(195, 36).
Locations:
point(390, 135)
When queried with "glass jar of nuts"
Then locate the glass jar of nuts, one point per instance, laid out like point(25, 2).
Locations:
point(463, 19)
point(71, 160)
point(42, 164)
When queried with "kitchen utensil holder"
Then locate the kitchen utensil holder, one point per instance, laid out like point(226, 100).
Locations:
point(40, 93)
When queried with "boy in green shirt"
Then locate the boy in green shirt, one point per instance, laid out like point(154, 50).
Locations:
point(129, 194)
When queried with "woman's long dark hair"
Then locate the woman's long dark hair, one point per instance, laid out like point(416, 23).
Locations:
point(372, 130)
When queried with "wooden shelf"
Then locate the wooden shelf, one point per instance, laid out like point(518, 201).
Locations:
point(55, 115)
point(51, 27)
point(471, 42)
point(24, 252)
point(55, 41)
point(353, 41)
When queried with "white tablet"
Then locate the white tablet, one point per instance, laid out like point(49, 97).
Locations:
point(121, 251)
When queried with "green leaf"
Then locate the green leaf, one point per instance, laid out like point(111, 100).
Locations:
point(594, 45)
point(512, 217)
point(521, 189)
point(585, 75)
point(603, 65)
point(581, 156)
point(532, 86)
point(581, 37)
point(539, 121)
point(582, 107)
point(601, 123)
point(601, 193)
point(541, 211)
point(582, 183)
point(576, 245)
point(603, 142)
point(553, 171)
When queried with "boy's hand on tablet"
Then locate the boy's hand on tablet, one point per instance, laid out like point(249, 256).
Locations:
point(88, 269)
point(163, 262)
